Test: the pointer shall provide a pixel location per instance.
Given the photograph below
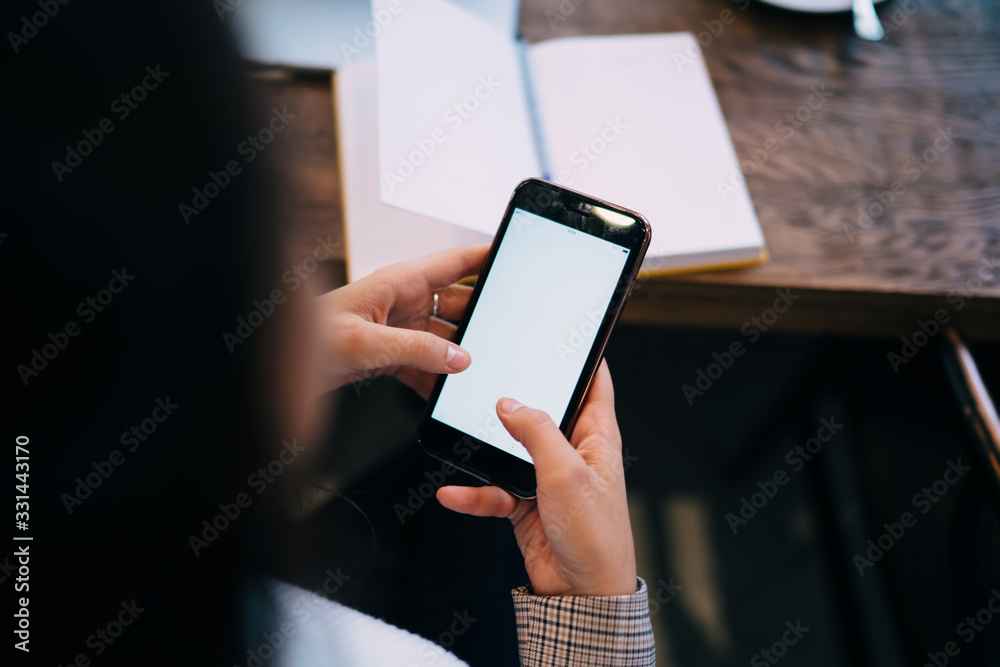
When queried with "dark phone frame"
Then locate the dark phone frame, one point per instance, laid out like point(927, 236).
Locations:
point(573, 209)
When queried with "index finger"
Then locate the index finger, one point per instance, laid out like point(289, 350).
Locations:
point(448, 266)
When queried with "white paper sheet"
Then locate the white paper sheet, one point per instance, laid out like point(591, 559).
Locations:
point(633, 119)
point(378, 234)
point(454, 134)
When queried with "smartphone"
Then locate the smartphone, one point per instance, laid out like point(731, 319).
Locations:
point(558, 274)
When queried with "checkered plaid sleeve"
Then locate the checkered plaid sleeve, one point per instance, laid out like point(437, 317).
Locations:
point(580, 630)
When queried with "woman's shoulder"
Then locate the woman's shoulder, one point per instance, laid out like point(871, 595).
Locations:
point(307, 629)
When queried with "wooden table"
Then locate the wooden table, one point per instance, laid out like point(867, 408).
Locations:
point(937, 74)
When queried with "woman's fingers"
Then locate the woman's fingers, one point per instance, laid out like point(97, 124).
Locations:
point(477, 501)
point(597, 416)
point(442, 268)
point(540, 436)
point(420, 381)
point(441, 328)
point(378, 346)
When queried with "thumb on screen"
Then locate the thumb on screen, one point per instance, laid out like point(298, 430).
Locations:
point(535, 430)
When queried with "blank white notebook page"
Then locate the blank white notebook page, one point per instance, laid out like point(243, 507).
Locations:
point(454, 134)
point(378, 234)
point(634, 120)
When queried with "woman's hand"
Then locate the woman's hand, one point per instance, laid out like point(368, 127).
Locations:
point(382, 324)
point(575, 536)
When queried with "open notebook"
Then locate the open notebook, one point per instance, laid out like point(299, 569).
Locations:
point(464, 113)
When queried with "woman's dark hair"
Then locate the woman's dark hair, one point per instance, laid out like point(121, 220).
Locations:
point(135, 233)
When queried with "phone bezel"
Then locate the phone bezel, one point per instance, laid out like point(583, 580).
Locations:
point(573, 209)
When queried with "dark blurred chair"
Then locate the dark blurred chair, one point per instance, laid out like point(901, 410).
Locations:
point(974, 552)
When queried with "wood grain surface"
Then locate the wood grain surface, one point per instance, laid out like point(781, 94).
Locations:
point(935, 78)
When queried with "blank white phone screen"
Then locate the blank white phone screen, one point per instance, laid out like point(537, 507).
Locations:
point(533, 327)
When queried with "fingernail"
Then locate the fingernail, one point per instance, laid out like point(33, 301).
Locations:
point(508, 405)
point(457, 357)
